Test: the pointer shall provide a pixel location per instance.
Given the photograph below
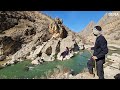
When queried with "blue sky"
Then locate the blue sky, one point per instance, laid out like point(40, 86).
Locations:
point(76, 20)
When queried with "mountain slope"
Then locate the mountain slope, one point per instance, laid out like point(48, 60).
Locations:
point(26, 35)
point(87, 31)
point(110, 24)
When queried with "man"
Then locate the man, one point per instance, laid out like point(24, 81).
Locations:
point(100, 50)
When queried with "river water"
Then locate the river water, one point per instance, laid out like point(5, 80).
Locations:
point(76, 63)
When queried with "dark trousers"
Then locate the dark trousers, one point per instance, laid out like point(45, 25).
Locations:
point(99, 67)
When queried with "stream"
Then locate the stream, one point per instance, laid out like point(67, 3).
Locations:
point(76, 63)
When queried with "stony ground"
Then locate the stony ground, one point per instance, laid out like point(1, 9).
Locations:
point(111, 67)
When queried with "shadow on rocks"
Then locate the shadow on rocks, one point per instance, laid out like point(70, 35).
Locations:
point(117, 76)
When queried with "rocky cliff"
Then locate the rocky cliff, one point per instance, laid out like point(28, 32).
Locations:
point(110, 24)
point(87, 31)
point(26, 35)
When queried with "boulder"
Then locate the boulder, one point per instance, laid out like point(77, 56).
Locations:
point(36, 61)
point(45, 57)
point(33, 55)
point(117, 76)
point(2, 57)
point(10, 62)
point(63, 32)
point(50, 50)
point(67, 42)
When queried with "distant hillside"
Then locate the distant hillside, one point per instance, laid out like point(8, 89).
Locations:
point(87, 31)
point(110, 24)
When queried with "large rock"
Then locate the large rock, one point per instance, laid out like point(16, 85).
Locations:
point(66, 42)
point(36, 61)
point(63, 33)
point(52, 48)
point(117, 76)
point(34, 54)
point(2, 57)
point(45, 57)
point(110, 72)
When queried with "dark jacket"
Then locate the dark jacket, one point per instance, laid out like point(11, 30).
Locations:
point(100, 48)
point(64, 53)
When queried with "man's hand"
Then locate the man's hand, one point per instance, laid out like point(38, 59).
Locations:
point(94, 57)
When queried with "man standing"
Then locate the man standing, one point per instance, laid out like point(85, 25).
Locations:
point(100, 50)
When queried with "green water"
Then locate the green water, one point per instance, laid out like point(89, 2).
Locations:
point(77, 63)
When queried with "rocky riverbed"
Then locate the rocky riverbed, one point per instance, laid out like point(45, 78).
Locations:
point(34, 36)
point(111, 67)
point(46, 70)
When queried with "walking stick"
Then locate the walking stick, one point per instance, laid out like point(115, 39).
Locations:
point(95, 70)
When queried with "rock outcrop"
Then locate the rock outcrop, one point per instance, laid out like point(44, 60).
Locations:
point(2, 57)
point(30, 35)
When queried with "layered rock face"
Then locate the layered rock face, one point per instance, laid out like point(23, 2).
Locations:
point(110, 24)
point(86, 33)
point(26, 35)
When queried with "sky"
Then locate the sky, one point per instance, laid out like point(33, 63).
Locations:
point(77, 20)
